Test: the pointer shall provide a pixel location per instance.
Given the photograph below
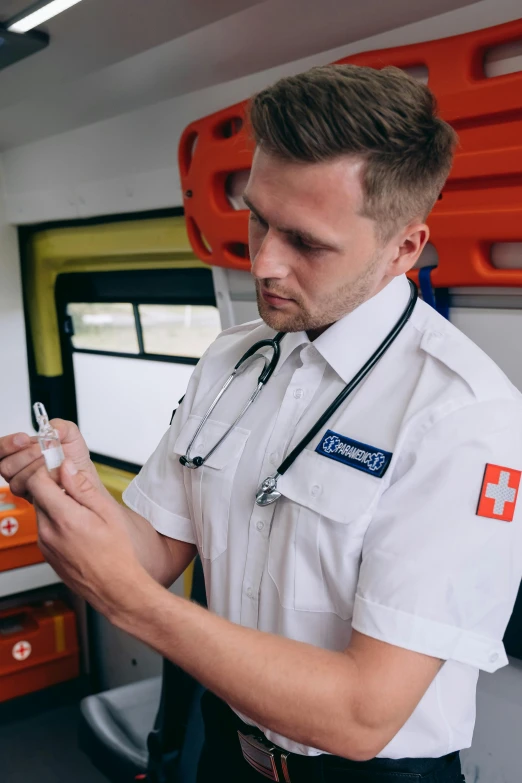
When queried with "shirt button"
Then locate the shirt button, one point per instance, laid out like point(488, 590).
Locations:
point(250, 592)
point(315, 491)
point(298, 394)
point(274, 458)
point(260, 525)
point(493, 657)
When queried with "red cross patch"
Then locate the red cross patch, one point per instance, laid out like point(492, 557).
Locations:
point(8, 526)
point(22, 651)
point(498, 496)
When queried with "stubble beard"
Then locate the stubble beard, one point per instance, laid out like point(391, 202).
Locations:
point(325, 312)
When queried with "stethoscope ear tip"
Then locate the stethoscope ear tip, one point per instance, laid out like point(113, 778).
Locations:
point(197, 462)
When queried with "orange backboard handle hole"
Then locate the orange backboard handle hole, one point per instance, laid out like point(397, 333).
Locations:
point(188, 147)
point(200, 244)
point(228, 128)
point(238, 249)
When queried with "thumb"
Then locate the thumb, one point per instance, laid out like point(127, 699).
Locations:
point(73, 442)
point(80, 485)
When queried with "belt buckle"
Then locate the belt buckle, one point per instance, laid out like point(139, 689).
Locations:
point(260, 755)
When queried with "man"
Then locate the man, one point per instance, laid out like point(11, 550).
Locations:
point(348, 620)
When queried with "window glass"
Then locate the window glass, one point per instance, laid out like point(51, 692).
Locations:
point(104, 327)
point(125, 405)
point(179, 330)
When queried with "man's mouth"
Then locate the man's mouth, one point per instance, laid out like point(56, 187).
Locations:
point(274, 299)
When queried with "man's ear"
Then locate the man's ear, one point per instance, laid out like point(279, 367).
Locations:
point(408, 247)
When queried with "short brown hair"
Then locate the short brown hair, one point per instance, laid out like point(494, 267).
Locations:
point(384, 116)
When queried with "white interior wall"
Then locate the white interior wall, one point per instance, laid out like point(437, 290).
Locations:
point(15, 404)
point(235, 296)
point(14, 377)
point(125, 405)
point(128, 163)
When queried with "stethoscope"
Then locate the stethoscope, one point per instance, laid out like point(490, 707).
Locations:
point(267, 492)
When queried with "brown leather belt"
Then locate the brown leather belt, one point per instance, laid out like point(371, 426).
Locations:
point(265, 758)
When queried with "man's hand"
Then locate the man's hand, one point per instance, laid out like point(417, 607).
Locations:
point(84, 536)
point(21, 457)
point(352, 706)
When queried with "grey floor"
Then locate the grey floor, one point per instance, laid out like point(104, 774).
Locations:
point(38, 742)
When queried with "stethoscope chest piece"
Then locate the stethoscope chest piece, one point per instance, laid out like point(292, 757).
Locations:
point(268, 492)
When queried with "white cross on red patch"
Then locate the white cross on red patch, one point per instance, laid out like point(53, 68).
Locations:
point(498, 496)
point(9, 526)
point(22, 651)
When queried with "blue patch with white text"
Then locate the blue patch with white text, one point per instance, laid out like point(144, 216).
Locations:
point(356, 455)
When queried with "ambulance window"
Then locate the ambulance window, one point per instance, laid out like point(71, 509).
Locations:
point(179, 330)
point(130, 342)
point(104, 327)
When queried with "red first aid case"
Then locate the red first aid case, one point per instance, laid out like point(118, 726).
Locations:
point(18, 532)
point(38, 647)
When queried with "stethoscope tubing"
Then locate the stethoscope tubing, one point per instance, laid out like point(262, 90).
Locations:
point(356, 380)
point(271, 342)
point(266, 374)
point(264, 377)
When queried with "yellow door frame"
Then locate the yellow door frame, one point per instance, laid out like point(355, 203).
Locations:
point(158, 243)
point(152, 243)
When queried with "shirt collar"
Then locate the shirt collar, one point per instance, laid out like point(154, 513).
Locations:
point(289, 343)
point(349, 343)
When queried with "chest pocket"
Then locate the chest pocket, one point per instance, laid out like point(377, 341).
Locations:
point(210, 487)
point(317, 534)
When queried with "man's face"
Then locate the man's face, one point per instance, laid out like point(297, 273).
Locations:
point(314, 257)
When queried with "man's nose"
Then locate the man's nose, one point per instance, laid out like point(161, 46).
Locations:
point(269, 260)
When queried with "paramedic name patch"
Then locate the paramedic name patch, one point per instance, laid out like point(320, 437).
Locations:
point(356, 455)
point(498, 495)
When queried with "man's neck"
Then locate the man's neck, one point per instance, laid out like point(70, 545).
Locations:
point(314, 333)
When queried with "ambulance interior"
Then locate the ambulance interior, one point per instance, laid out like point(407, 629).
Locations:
point(116, 273)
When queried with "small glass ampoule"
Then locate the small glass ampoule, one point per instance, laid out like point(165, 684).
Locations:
point(48, 438)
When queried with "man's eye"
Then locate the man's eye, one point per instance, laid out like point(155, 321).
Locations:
point(304, 247)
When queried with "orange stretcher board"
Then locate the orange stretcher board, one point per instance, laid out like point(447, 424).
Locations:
point(481, 203)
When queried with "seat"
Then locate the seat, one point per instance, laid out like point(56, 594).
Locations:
point(151, 728)
point(114, 727)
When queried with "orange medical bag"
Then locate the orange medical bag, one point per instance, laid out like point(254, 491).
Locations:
point(38, 648)
point(18, 532)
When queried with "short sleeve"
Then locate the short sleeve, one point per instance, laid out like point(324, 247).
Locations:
point(436, 577)
point(158, 492)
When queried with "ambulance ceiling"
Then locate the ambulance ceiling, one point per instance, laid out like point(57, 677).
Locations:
point(108, 57)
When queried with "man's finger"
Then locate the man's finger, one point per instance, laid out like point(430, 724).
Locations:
point(73, 443)
point(18, 484)
point(67, 430)
point(10, 444)
point(10, 466)
point(79, 485)
point(52, 500)
point(45, 528)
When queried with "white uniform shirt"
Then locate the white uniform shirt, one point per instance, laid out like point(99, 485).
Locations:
point(404, 557)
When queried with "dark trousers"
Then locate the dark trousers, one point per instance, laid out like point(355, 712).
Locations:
point(222, 760)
